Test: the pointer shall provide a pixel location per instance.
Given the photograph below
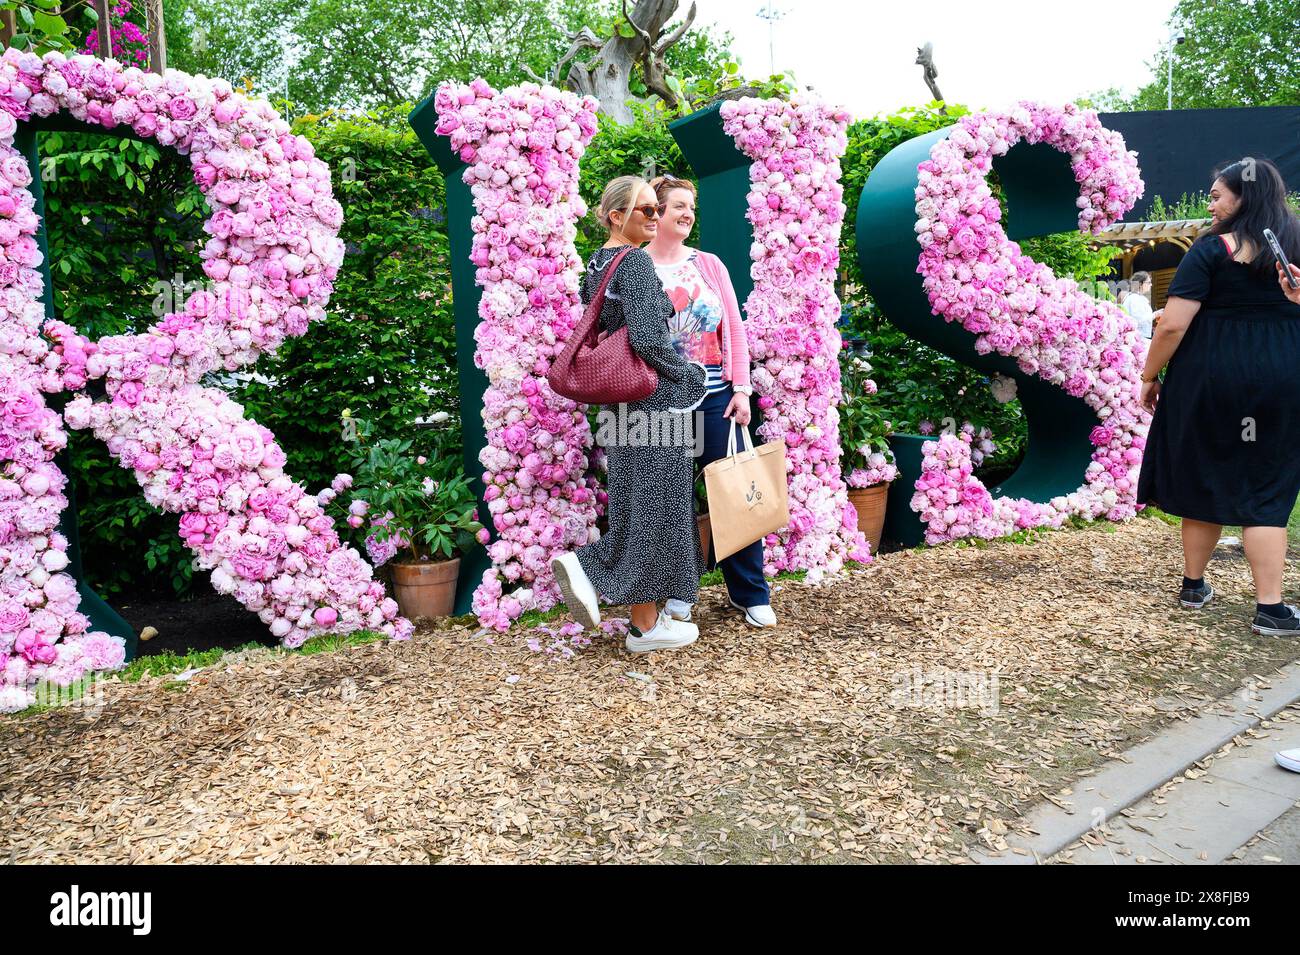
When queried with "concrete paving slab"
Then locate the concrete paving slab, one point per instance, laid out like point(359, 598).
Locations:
point(1145, 767)
point(1279, 844)
point(1201, 822)
point(1253, 765)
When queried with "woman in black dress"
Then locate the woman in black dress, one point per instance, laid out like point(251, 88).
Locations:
point(1222, 447)
point(651, 552)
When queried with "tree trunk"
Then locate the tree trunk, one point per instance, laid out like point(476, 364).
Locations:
point(608, 73)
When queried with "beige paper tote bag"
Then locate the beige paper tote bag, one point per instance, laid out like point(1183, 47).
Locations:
point(748, 497)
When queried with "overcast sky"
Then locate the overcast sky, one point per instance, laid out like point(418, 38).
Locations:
point(989, 54)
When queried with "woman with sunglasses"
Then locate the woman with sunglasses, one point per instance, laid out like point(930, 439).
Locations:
point(707, 327)
point(651, 552)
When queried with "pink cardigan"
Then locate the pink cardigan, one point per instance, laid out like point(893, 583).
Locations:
point(735, 346)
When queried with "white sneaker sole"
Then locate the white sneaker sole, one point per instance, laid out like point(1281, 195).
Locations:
point(589, 617)
point(659, 643)
point(748, 619)
point(1287, 762)
point(1273, 631)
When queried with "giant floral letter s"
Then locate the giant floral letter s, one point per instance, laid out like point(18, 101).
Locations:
point(974, 275)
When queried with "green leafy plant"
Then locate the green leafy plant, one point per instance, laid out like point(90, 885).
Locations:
point(864, 429)
point(1186, 207)
point(643, 147)
point(723, 77)
point(424, 507)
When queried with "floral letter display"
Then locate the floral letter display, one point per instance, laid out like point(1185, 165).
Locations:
point(796, 211)
point(974, 275)
point(271, 257)
point(521, 148)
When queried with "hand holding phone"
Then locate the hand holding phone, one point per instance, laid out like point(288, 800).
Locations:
point(1278, 254)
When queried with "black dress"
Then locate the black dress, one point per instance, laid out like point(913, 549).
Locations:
point(1224, 444)
point(651, 551)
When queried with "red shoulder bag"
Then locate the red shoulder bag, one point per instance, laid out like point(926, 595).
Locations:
point(596, 368)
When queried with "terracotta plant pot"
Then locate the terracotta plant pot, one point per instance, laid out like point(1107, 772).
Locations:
point(706, 533)
point(426, 589)
point(870, 505)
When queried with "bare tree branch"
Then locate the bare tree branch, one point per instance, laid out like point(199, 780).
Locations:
point(645, 36)
point(677, 34)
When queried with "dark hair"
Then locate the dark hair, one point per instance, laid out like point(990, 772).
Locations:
point(1259, 185)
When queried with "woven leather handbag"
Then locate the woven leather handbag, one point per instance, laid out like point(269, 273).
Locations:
point(596, 368)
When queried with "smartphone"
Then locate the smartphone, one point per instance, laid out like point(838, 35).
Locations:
point(1276, 246)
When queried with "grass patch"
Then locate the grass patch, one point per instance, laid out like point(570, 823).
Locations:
point(331, 642)
point(1231, 530)
point(165, 664)
point(168, 664)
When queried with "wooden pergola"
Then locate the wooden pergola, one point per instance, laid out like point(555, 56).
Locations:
point(153, 20)
point(1132, 238)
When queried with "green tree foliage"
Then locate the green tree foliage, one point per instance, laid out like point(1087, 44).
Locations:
point(644, 148)
point(214, 37)
point(324, 54)
point(123, 219)
point(1236, 53)
point(387, 351)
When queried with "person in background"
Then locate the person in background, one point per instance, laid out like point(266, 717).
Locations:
point(1136, 302)
point(1222, 444)
point(651, 552)
point(707, 327)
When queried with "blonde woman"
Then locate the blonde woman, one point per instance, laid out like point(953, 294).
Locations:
point(707, 327)
point(651, 553)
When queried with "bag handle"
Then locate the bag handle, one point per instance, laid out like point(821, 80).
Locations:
point(587, 331)
point(598, 300)
point(731, 439)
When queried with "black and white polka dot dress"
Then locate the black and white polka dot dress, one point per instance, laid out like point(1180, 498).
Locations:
point(651, 552)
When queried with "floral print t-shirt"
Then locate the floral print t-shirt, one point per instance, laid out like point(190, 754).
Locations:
point(696, 326)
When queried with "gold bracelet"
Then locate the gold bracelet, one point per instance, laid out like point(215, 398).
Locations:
point(1155, 377)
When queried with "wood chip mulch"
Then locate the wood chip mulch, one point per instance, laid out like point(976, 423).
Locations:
point(865, 727)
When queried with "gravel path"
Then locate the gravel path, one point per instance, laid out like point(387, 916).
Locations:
point(867, 727)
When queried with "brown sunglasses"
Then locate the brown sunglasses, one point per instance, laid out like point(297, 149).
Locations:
point(652, 212)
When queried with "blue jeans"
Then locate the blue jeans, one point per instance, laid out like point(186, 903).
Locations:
point(743, 570)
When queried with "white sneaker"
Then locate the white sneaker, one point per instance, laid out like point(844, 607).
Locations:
point(757, 616)
point(1289, 759)
point(666, 634)
point(678, 609)
point(579, 595)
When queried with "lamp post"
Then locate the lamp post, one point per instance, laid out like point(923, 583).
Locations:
point(1175, 38)
point(771, 15)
